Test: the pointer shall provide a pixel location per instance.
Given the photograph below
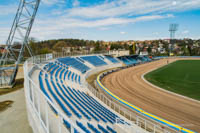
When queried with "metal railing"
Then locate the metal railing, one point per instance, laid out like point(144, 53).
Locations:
point(44, 116)
point(138, 119)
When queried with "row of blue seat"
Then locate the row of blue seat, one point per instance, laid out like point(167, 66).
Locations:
point(80, 104)
point(81, 60)
point(66, 123)
point(96, 112)
point(61, 64)
point(112, 120)
point(74, 102)
point(106, 116)
point(93, 128)
point(42, 86)
point(94, 60)
point(145, 59)
point(63, 99)
point(70, 75)
point(101, 57)
point(70, 99)
point(110, 58)
point(134, 59)
point(82, 127)
point(73, 62)
point(68, 113)
point(129, 60)
point(103, 110)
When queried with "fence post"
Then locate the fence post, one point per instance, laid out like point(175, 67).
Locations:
point(38, 103)
point(59, 124)
point(47, 119)
point(72, 129)
point(154, 128)
point(145, 124)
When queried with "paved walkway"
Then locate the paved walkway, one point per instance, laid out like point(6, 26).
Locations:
point(14, 118)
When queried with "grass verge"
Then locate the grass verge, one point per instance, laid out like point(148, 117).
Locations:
point(5, 104)
point(181, 77)
point(18, 85)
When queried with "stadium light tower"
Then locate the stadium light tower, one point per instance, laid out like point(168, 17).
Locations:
point(17, 41)
point(172, 29)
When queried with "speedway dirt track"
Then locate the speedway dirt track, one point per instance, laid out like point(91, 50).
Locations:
point(129, 85)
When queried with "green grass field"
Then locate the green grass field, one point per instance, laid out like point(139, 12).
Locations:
point(182, 77)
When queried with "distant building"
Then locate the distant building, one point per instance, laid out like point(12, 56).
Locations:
point(144, 53)
point(117, 53)
point(66, 49)
point(161, 50)
point(2, 50)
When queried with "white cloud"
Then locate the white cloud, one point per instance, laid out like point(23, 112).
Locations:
point(58, 27)
point(122, 32)
point(102, 16)
point(103, 28)
point(76, 3)
point(132, 7)
point(174, 3)
point(76, 23)
point(52, 2)
point(4, 34)
point(185, 32)
point(7, 9)
point(156, 33)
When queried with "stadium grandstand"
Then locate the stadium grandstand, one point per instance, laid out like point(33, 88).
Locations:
point(62, 82)
point(58, 97)
point(60, 100)
point(134, 59)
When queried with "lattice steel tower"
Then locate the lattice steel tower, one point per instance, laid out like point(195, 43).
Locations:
point(172, 29)
point(17, 41)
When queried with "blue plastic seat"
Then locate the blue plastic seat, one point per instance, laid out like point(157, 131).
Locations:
point(93, 128)
point(82, 127)
point(110, 129)
point(112, 59)
point(94, 60)
point(73, 62)
point(102, 129)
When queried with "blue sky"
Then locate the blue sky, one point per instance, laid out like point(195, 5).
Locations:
point(108, 20)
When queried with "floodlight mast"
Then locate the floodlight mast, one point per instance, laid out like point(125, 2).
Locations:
point(17, 40)
point(172, 29)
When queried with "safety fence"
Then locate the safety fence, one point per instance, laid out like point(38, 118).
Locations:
point(137, 118)
point(43, 115)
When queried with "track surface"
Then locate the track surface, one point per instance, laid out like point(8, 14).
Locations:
point(129, 85)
